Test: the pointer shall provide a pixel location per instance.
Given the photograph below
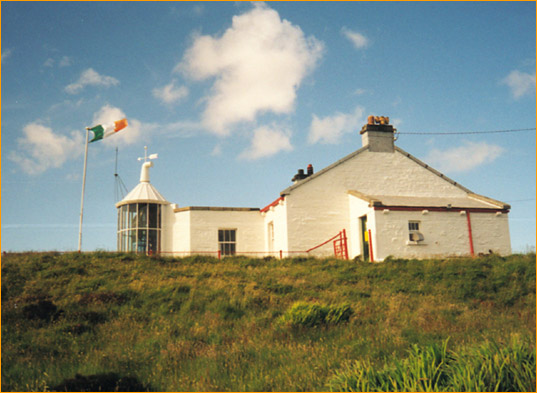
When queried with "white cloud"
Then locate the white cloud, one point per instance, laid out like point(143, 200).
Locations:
point(358, 40)
point(65, 61)
point(41, 148)
point(396, 122)
point(217, 150)
point(179, 129)
point(520, 83)
point(128, 136)
point(90, 77)
point(258, 64)
point(266, 142)
point(170, 93)
point(330, 129)
point(5, 54)
point(464, 158)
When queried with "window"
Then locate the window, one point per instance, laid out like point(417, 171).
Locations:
point(139, 227)
point(414, 234)
point(227, 241)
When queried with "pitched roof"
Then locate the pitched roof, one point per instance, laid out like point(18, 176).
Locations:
point(361, 150)
point(472, 200)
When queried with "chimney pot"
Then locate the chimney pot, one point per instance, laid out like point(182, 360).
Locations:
point(378, 134)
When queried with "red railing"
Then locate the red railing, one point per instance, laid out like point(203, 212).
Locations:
point(340, 245)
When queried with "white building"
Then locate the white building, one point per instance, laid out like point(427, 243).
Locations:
point(380, 200)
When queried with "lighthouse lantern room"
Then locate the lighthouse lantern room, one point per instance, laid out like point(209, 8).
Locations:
point(140, 215)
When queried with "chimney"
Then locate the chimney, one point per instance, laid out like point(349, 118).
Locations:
point(378, 134)
point(301, 175)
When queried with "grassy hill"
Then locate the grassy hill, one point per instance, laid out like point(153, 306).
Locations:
point(106, 321)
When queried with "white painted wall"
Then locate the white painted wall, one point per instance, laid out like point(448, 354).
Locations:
point(204, 226)
point(491, 232)
point(181, 233)
point(445, 233)
point(277, 215)
point(319, 207)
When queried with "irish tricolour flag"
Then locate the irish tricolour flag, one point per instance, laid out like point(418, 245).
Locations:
point(105, 130)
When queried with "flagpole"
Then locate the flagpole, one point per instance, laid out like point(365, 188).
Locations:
point(83, 189)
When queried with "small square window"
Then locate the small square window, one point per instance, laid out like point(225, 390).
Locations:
point(414, 234)
point(226, 241)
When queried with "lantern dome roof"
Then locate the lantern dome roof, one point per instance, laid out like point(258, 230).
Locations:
point(144, 192)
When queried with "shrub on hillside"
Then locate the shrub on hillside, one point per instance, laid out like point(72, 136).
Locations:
point(313, 314)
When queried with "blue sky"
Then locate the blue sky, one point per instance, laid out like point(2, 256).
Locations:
point(235, 97)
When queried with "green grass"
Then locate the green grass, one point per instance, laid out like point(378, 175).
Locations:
point(487, 367)
point(240, 324)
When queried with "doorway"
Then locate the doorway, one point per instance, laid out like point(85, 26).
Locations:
point(364, 237)
point(270, 237)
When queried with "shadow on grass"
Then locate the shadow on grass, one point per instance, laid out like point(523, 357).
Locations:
point(110, 382)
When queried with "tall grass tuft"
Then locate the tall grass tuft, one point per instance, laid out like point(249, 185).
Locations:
point(313, 314)
point(491, 367)
point(487, 367)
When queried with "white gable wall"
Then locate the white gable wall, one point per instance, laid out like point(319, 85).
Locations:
point(319, 208)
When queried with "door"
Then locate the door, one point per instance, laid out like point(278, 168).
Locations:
point(270, 237)
point(364, 238)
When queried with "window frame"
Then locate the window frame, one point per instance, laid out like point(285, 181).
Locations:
point(414, 226)
point(227, 241)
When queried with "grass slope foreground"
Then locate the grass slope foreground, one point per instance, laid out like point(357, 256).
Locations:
point(122, 322)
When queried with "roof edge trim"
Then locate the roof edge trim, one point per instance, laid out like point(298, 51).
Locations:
point(491, 201)
point(215, 208)
point(121, 203)
point(288, 190)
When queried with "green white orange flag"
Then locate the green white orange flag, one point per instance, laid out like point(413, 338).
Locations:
point(105, 130)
